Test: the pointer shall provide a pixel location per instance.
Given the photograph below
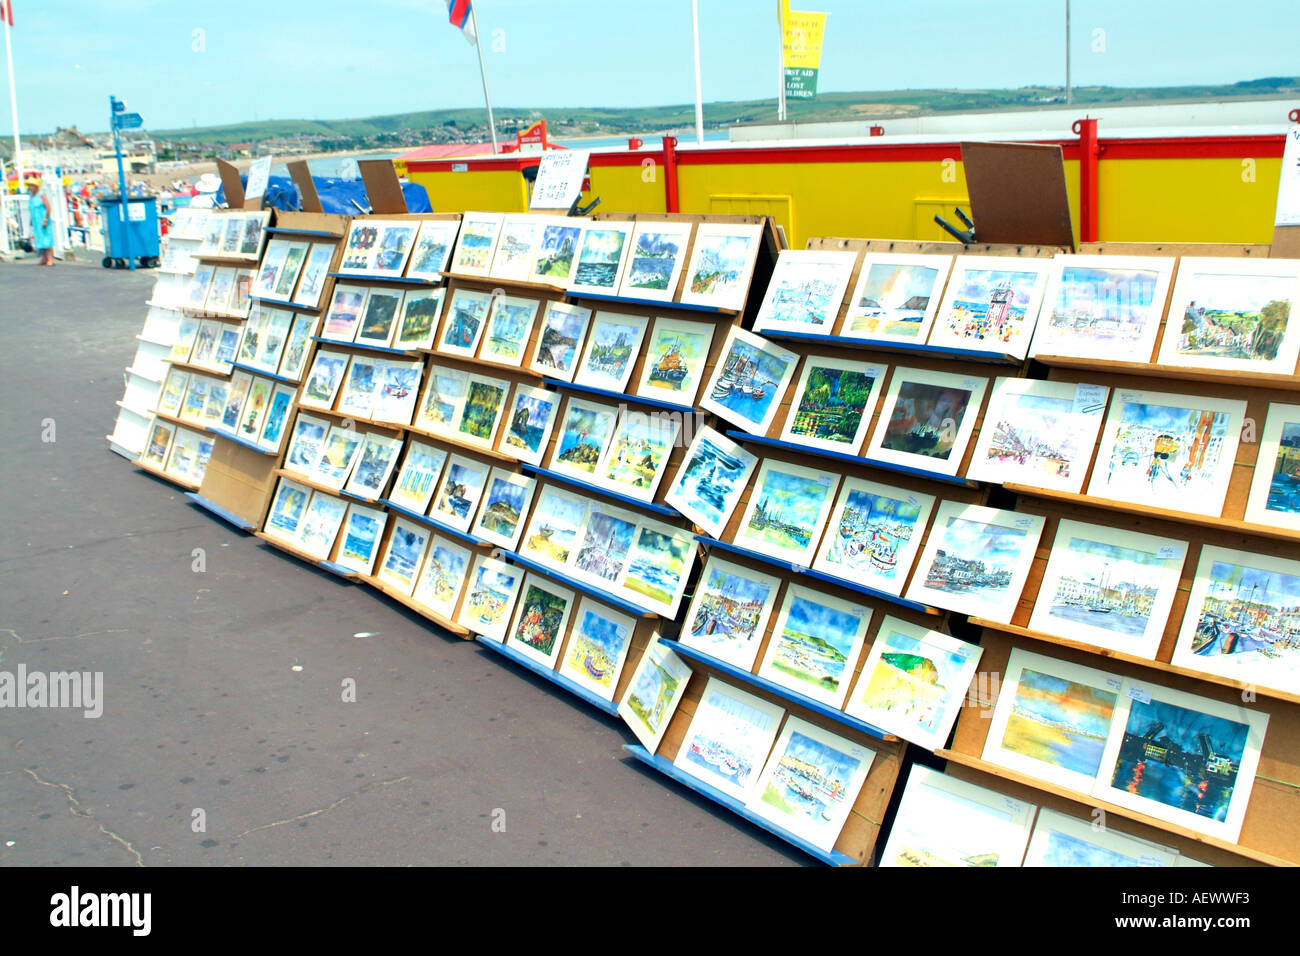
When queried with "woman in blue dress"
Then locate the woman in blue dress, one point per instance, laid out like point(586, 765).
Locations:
point(42, 222)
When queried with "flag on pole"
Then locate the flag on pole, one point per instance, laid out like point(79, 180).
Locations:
point(7, 11)
point(461, 17)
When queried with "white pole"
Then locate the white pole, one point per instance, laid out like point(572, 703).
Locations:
point(699, 93)
point(780, 63)
point(1069, 95)
point(478, 45)
point(13, 103)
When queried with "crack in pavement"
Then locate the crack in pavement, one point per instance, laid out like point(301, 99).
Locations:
point(74, 807)
point(312, 813)
point(66, 637)
point(94, 542)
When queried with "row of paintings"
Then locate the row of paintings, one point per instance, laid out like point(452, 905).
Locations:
point(276, 341)
point(944, 821)
point(793, 773)
point(383, 317)
point(190, 223)
point(253, 409)
point(294, 271)
point(363, 386)
point(635, 557)
point(206, 343)
point(405, 248)
point(634, 259)
point(178, 451)
point(1224, 313)
point(614, 447)
point(219, 290)
point(1184, 759)
point(230, 234)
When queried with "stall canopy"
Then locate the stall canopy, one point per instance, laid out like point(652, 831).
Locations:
point(336, 195)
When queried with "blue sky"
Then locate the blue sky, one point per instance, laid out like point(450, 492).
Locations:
point(333, 59)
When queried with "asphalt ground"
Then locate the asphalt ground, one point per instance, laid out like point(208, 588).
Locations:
point(222, 688)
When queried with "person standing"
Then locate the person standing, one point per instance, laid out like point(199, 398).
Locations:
point(42, 222)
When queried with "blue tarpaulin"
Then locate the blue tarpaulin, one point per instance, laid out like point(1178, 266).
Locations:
point(336, 195)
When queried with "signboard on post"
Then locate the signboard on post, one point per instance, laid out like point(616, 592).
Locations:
point(802, 47)
point(1288, 185)
point(559, 179)
point(128, 120)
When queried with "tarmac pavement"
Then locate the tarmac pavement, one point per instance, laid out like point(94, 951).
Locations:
point(222, 700)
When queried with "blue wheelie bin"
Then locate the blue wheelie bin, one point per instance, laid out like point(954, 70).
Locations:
point(130, 235)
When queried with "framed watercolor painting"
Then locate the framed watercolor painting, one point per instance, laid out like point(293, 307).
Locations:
point(653, 693)
point(314, 272)
point(393, 248)
point(555, 527)
point(458, 494)
point(480, 419)
point(477, 243)
point(1181, 758)
point(360, 386)
point(927, 419)
point(306, 441)
point(559, 340)
point(288, 505)
point(379, 320)
point(359, 246)
point(554, 256)
point(490, 597)
point(173, 391)
point(509, 327)
point(513, 259)
point(272, 340)
point(1040, 434)
point(655, 259)
point(943, 821)
point(1274, 498)
point(585, 432)
point(1103, 307)
point(659, 562)
point(267, 274)
point(337, 458)
point(432, 249)
point(1060, 840)
point(613, 343)
point(402, 559)
point(749, 381)
point(1168, 451)
point(374, 465)
point(975, 560)
point(707, 487)
point(1051, 720)
point(874, 534)
point(446, 568)
point(418, 321)
point(320, 524)
point(675, 353)
point(833, 403)
point(421, 468)
point(896, 297)
point(729, 738)
point(815, 645)
point(638, 453)
point(1232, 313)
point(344, 314)
point(806, 291)
point(541, 619)
point(277, 416)
point(787, 511)
point(362, 529)
point(598, 647)
point(991, 304)
point(604, 546)
point(159, 445)
point(914, 682)
point(218, 395)
point(1240, 619)
point(602, 253)
point(529, 421)
point(399, 390)
point(286, 282)
point(295, 346)
point(505, 503)
point(728, 615)
point(721, 264)
point(1108, 587)
point(444, 399)
point(806, 754)
point(463, 326)
point(240, 383)
point(250, 420)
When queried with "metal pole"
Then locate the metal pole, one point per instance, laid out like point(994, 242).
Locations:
point(478, 45)
point(13, 107)
point(121, 185)
point(699, 93)
point(1069, 94)
point(780, 62)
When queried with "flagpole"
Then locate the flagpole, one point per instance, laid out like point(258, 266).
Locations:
point(780, 59)
point(478, 45)
point(13, 98)
point(699, 94)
